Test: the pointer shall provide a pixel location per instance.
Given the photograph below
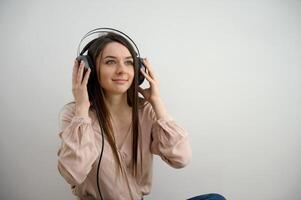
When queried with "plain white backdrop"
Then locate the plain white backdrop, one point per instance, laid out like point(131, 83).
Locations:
point(230, 74)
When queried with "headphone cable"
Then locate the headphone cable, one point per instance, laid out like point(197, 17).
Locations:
point(99, 165)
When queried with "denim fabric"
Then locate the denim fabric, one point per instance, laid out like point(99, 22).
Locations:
point(208, 197)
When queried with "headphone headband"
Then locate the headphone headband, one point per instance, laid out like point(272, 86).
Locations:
point(89, 61)
point(105, 30)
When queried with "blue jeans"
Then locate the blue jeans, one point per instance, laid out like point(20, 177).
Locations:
point(207, 197)
point(212, 196)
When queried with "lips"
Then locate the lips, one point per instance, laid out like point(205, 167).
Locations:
point(120, 81)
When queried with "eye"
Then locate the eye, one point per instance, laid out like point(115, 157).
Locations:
point(109, 62)
point(129, 62)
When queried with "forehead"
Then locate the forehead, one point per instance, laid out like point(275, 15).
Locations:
point(115, 49)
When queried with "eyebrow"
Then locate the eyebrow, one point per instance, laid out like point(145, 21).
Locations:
point(129, 57)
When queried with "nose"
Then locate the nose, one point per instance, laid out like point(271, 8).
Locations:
point(121, 68)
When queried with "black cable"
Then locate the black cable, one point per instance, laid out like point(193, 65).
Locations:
point(99, 165)
point(101, 30)
point(102, 148)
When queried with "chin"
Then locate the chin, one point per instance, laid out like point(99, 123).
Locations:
point(118, 90)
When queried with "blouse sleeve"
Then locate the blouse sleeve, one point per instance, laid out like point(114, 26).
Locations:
point(170, 142)
point(78, 150)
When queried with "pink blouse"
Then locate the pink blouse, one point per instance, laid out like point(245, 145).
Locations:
point(81, 146)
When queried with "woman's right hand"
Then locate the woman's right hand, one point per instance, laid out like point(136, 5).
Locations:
point(79, 88)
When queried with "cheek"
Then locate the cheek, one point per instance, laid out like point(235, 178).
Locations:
point(103, 75)
point(132, 73)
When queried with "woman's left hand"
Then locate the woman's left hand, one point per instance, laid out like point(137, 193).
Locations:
point(152, 93)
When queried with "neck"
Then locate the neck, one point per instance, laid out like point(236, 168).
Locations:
point(117, 103)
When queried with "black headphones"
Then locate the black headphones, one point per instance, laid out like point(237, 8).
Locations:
point(104, 31)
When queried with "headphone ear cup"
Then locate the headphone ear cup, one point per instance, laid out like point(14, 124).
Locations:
point(140, 75)
point(90, 61)
point(87, 60)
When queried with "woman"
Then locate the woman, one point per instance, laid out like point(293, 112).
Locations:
point(106, 101)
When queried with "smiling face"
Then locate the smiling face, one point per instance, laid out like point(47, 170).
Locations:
point(115, 68)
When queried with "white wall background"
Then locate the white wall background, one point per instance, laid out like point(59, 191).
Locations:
point(229, 72)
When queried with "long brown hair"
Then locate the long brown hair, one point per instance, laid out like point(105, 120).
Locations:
point(96, 96)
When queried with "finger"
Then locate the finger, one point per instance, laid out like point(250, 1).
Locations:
point(146, 76)
point(80, 73)
point(149, 68)
point(86, 77)
point(74, 72)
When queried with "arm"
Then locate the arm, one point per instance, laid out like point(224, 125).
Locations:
point(170, 141)
point(78, 150)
